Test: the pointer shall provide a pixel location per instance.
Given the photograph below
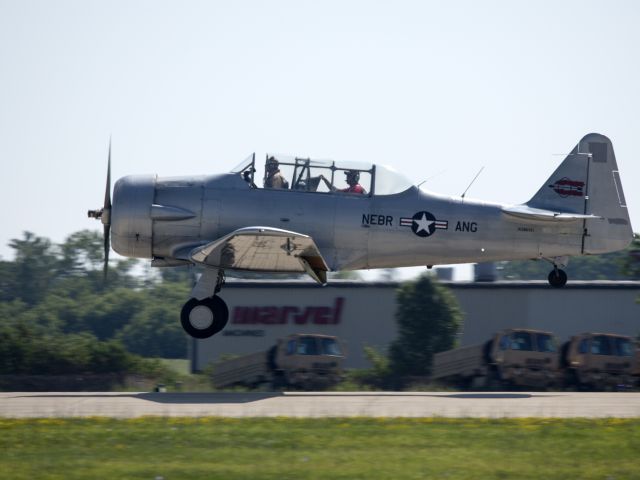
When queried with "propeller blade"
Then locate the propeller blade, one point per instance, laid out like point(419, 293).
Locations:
point(106, 217)
point(107, 247)
point(107, 193)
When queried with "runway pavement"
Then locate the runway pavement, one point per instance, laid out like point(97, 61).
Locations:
point(331, 404)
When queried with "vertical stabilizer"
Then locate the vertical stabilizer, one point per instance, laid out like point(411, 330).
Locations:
point(588, 182)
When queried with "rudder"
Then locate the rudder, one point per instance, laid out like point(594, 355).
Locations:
point(588, 182)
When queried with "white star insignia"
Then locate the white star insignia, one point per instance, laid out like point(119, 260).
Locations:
point(423, 223)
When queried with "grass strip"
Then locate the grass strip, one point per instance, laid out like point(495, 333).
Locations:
point(342, 448)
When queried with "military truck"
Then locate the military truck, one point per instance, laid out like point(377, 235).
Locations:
point(600, 361)
point(512, 357)
point(305, 361)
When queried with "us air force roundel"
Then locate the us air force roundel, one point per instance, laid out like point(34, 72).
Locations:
point(424, 224)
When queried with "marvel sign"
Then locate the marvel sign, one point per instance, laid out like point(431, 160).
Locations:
point(282, 315)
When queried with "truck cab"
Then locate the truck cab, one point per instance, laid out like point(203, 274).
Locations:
point(524, 357)
point(305, 359)
point(513, 356)
point(600, 360)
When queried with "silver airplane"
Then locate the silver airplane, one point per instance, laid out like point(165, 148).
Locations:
point(318, 216)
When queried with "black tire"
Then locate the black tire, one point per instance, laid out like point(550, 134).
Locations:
point(494, 380)
point(564, 355)
point(486, 351)
point(271, 358)
point(200, 323)
point(557, 278)
point(278, 382)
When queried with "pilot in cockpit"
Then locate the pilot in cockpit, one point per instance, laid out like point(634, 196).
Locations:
point(273, 178)
point(247, 175)
point(353, 179)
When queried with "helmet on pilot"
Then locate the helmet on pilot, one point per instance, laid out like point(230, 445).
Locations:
point(353, 176)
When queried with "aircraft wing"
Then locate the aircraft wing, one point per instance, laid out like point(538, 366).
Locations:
point(524, 212)
point(264, 249)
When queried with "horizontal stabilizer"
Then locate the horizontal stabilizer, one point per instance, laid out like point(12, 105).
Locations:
point(523, 212)
point(264, 249)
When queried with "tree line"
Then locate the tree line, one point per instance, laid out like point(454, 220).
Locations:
point(58, 315)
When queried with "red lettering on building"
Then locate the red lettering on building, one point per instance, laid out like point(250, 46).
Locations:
point(273, 315)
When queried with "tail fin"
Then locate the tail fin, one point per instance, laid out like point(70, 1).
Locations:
point(588, 182)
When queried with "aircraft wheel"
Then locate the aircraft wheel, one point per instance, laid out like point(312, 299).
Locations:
point(204, 318)
point(557, 278)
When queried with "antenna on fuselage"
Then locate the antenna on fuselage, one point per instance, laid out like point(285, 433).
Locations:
point(474, 179)
point(431, 177)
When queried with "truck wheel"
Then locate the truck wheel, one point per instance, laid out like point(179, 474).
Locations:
point(271, 358)
point(486, 351)
point(583, 382)
point(204, 318)
point(278, 382)
point(494, 381)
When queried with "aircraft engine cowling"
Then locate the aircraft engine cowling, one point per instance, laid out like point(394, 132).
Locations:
point(131, 223)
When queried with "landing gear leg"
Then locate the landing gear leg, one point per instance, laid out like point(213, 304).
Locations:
point(205, 314)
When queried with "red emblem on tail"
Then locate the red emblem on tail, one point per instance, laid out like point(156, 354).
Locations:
point(568, 188)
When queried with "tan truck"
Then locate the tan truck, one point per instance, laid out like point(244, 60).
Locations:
point(512, 357)
point(600, 361)
point(306, 361)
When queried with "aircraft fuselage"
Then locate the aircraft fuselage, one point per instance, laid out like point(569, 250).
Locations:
point(352, 231)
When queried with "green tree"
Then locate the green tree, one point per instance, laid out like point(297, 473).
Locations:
point(344, 275)
point(155, 332)
point(428, 318)
point(631, 263)
point(59, 290)
point(27, 349)
point(81, 252)
point(7, 281)
point(379, 375)
point(185, 275)
point(32, 271)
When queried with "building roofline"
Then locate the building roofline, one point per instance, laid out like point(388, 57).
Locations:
point(499, 285)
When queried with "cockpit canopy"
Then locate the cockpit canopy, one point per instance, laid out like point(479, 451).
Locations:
point(322, 176)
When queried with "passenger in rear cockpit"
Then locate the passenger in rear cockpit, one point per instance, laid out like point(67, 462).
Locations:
point(273, 177)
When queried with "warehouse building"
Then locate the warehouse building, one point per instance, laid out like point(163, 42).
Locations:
point(363, 313)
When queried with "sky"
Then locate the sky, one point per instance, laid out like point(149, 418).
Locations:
point(435, 89)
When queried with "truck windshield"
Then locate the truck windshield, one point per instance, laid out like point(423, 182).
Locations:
point(622, 347)
point(545, 343)
point(330, 347)
point(318, 346)
point(307, 346)
point(600, 345)
point(521, 341)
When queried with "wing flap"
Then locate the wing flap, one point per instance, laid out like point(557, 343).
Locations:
point(264, 249)
point(524, 212)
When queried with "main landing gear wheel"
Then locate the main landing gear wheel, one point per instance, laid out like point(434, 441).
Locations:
point(204, 318)
point(557, 278)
